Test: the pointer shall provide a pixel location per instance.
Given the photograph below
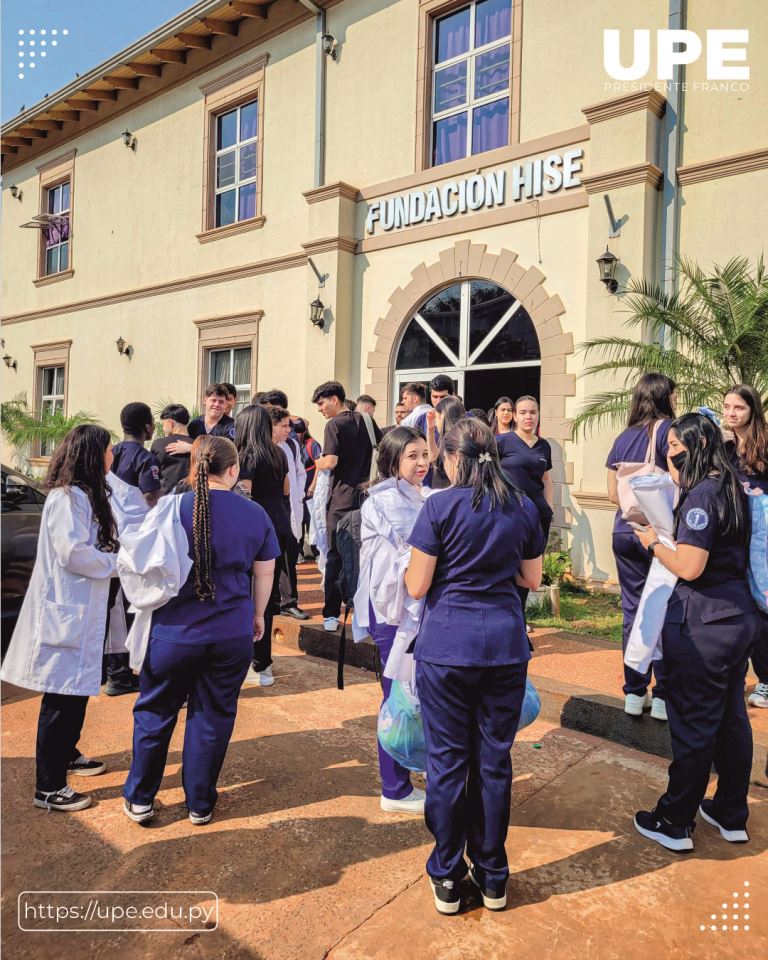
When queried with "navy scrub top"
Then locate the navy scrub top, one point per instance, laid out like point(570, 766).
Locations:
point(758, 480)
point(525, 466)
point(631, 446)
point(241, 532)
point(473, 616)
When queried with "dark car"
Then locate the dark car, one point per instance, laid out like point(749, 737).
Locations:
point(22, 507)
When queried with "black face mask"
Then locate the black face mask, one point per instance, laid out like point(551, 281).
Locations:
point(679, 460)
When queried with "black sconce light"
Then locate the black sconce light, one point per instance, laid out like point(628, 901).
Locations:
point(607, 264)
point(129, 140)
point(316, 309)
point(329, 45)
point(9, 361)
point(16, 192)
point(124, 349)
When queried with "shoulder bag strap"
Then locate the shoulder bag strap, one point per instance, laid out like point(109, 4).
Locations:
point(650, 455)
point(369, 427)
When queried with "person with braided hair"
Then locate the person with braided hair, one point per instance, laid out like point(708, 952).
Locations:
point(59, 640)
point(201, 640)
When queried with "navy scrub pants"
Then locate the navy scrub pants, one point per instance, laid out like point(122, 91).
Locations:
point(470, 719)
point(211, 675)
point(58, 732)
point(632, 565)
point(706, 665)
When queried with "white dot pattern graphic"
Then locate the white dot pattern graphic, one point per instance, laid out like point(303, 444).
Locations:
point(743, 906)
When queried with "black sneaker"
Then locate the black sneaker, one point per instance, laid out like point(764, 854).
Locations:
point(494, 895)
point(85, 767)
point(139, 813)
point(296, 612)
point(655, 827)
point(447, 895)
point(65, 799)
point(732, 832)
point(117, 689)
point(200, 819)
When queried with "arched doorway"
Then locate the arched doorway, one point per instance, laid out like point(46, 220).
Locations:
point(479, 334)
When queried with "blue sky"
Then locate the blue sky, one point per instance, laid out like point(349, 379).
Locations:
point(96, 30)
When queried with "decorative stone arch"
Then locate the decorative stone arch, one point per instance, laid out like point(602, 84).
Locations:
point(466, 260)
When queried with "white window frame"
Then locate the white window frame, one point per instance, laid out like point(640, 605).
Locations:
point(236, 147)
point(471, 102)
point(51, 401)
point(240, 387)
point(64, 214)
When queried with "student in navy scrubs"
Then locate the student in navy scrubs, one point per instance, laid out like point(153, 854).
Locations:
point(201, 641)
point(439, 421)
point(653, 401)
point(526, 459)
point(503, 416)
point(472, 544)
point(710, 626)
point(743, 415)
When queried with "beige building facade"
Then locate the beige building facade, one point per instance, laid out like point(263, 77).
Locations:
point(434, 172)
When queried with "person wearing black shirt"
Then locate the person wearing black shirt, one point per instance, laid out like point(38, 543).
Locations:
point(216, 422)
point(173, 466)
point(347, 451)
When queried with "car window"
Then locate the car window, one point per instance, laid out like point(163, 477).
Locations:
point(15, 491)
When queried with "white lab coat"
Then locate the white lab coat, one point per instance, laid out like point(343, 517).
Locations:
point(297, 476)
point(318, 517)
point(153, 564)
point(128, 504)
point(58, 642)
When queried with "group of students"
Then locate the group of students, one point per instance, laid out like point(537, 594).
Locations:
point(453, 530)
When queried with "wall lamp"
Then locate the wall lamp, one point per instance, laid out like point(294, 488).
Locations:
point(9, 362)
point(316, 309)
point(124, 349)
point(329, 46)
point(16, 192)
point(129, 140)
point(607, 264)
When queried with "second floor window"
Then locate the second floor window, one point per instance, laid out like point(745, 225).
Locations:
point(56, 234)
point(236, 163)
point(471, 80)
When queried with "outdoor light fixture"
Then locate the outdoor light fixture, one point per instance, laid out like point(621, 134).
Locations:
point(129, 140)
point(329, 45)
point(316, 309)
point(607, 264)
point(9, 361)
point(123, 348)
point(16, 192)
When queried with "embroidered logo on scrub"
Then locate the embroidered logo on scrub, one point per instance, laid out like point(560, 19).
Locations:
point(697, 519)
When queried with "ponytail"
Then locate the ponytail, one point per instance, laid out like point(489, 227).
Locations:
point(477, 463)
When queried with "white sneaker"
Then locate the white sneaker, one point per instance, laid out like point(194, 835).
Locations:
point(759, 696)
point(658, 709)
point(265, 678)
point(413, 803)
point(330, 624)
point(634, 705)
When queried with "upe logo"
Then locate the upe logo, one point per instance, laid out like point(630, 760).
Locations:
point(675, 47)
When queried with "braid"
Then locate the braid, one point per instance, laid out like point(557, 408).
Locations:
point(201, 533)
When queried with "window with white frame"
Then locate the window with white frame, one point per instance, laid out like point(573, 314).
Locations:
point(236, 164)
point(56, 234)
point(232, 365)
point(51, 399)
point(471, 80)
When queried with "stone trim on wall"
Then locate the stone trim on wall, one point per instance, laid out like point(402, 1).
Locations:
point(723, 167)
point(649, 99)
point(331, 191)
point(627, 176)
point(464, 260)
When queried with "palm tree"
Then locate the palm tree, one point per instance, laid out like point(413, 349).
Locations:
point(707, 336)
point(23, 428)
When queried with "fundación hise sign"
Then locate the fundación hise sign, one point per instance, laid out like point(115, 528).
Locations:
point(520, 181)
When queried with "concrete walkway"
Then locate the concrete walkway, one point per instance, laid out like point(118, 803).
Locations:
point(306, 866)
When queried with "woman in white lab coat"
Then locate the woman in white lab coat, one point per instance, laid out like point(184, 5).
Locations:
point(59, 639)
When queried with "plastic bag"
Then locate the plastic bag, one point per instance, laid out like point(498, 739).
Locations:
point(758, 551)
point(531, 706)
point(400, 729)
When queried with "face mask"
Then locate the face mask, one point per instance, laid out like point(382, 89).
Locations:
point(679, 459)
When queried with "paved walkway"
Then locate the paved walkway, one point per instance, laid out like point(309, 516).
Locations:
point(306, 866)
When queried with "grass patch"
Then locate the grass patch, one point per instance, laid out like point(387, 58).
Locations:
point(581, 611)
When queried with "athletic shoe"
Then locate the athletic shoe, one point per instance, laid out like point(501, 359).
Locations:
point(85, 767)
point(118, 689)
point(301, 559)
point(658, 709)
point(265, 677)
point(296, 612)
point(759, 696)
point(65, 800)
point(139, 812)
point(732, 833)
point(200, 819)
point(655, 827)
point(634, 705)
point(330, 624)
point(447, 894)
point(413, 803)
point(494, 895)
